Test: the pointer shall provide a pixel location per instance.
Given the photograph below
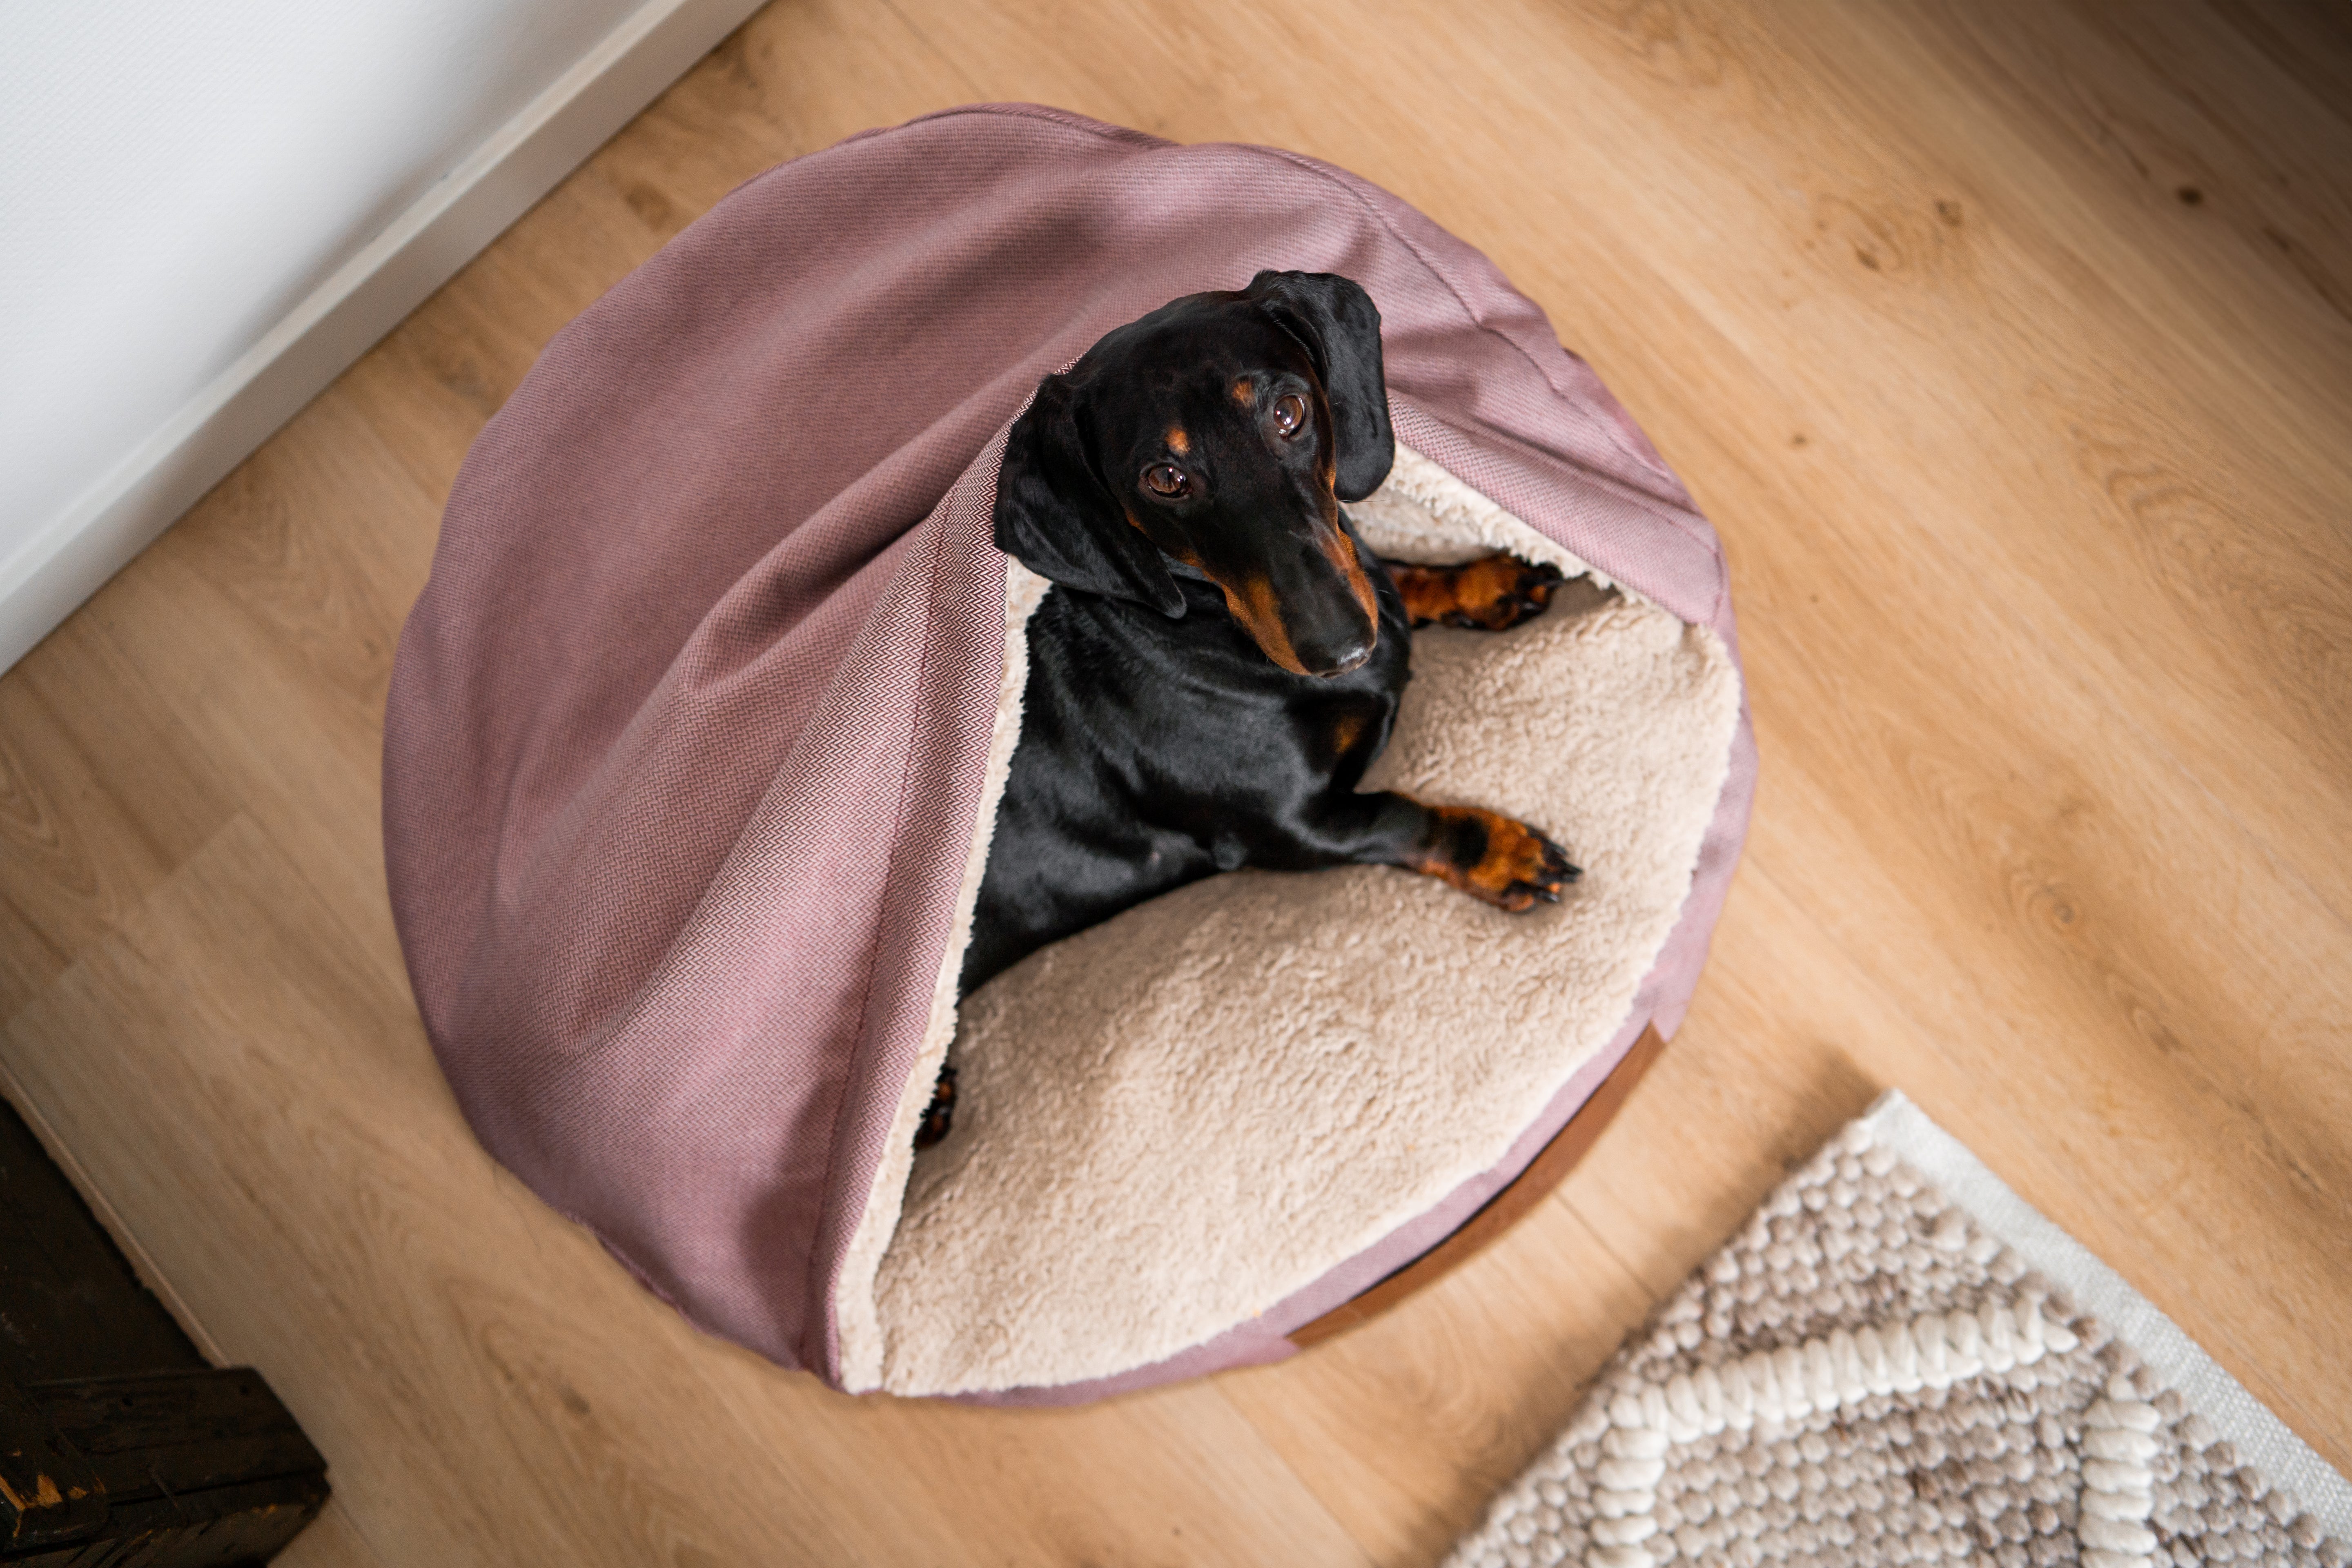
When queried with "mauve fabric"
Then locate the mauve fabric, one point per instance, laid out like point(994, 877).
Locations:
point(687, 733)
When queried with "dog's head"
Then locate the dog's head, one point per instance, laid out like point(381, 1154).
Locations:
point(1222, 430)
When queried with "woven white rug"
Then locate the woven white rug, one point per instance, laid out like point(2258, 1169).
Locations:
point(1900, 1361)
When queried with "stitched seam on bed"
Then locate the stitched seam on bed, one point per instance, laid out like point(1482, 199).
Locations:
point(828, 1330)
point(1101, 132)
point(1347, 183)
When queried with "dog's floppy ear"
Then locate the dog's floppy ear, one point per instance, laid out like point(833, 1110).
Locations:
point(1054, 515)
point(1339, 327)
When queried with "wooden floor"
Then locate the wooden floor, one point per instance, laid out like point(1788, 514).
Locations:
point(2010, 346)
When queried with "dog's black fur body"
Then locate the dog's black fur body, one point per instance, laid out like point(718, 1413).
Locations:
point(1154, 752)
point(1220, 659)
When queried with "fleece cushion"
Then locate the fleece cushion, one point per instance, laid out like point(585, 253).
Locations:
point(691, 735)
point(1174, 1121)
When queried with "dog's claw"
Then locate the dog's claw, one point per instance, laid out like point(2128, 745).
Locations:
point(1554, 873)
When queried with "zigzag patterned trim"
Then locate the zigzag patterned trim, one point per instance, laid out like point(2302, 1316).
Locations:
point(2117, 1485)
point(1839, 1369)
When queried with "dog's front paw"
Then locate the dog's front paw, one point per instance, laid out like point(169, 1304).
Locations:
point(1491, 594)
point(1497, 859)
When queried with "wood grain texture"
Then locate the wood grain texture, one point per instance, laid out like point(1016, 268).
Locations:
point(2010, 349)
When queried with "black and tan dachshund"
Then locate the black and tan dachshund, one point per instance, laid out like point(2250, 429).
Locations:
point(1220, 658)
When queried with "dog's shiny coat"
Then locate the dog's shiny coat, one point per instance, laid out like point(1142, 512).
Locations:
point(1222, 657)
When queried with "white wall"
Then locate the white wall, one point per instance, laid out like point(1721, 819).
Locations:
point(209, 207)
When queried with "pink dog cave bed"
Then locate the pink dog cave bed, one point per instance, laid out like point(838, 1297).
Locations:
point(695, 736)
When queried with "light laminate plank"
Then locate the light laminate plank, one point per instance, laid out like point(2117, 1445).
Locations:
point(2035, 479)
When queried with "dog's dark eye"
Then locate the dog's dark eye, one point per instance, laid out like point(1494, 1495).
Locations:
point(1289, 414)
point(1166, 480)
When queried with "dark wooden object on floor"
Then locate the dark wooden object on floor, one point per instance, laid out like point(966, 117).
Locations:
point(1505, 1209)
point(119, 1444)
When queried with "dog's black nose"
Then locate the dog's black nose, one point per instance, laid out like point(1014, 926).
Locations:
point(1344, 661)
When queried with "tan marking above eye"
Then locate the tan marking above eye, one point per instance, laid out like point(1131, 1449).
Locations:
point(1245, 392)
point(1178, 442)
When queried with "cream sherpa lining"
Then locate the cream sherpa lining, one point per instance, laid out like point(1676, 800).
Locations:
point(1170, 1122)
point(854, 1298)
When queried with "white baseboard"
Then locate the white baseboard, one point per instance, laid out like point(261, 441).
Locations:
point(71, 556)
